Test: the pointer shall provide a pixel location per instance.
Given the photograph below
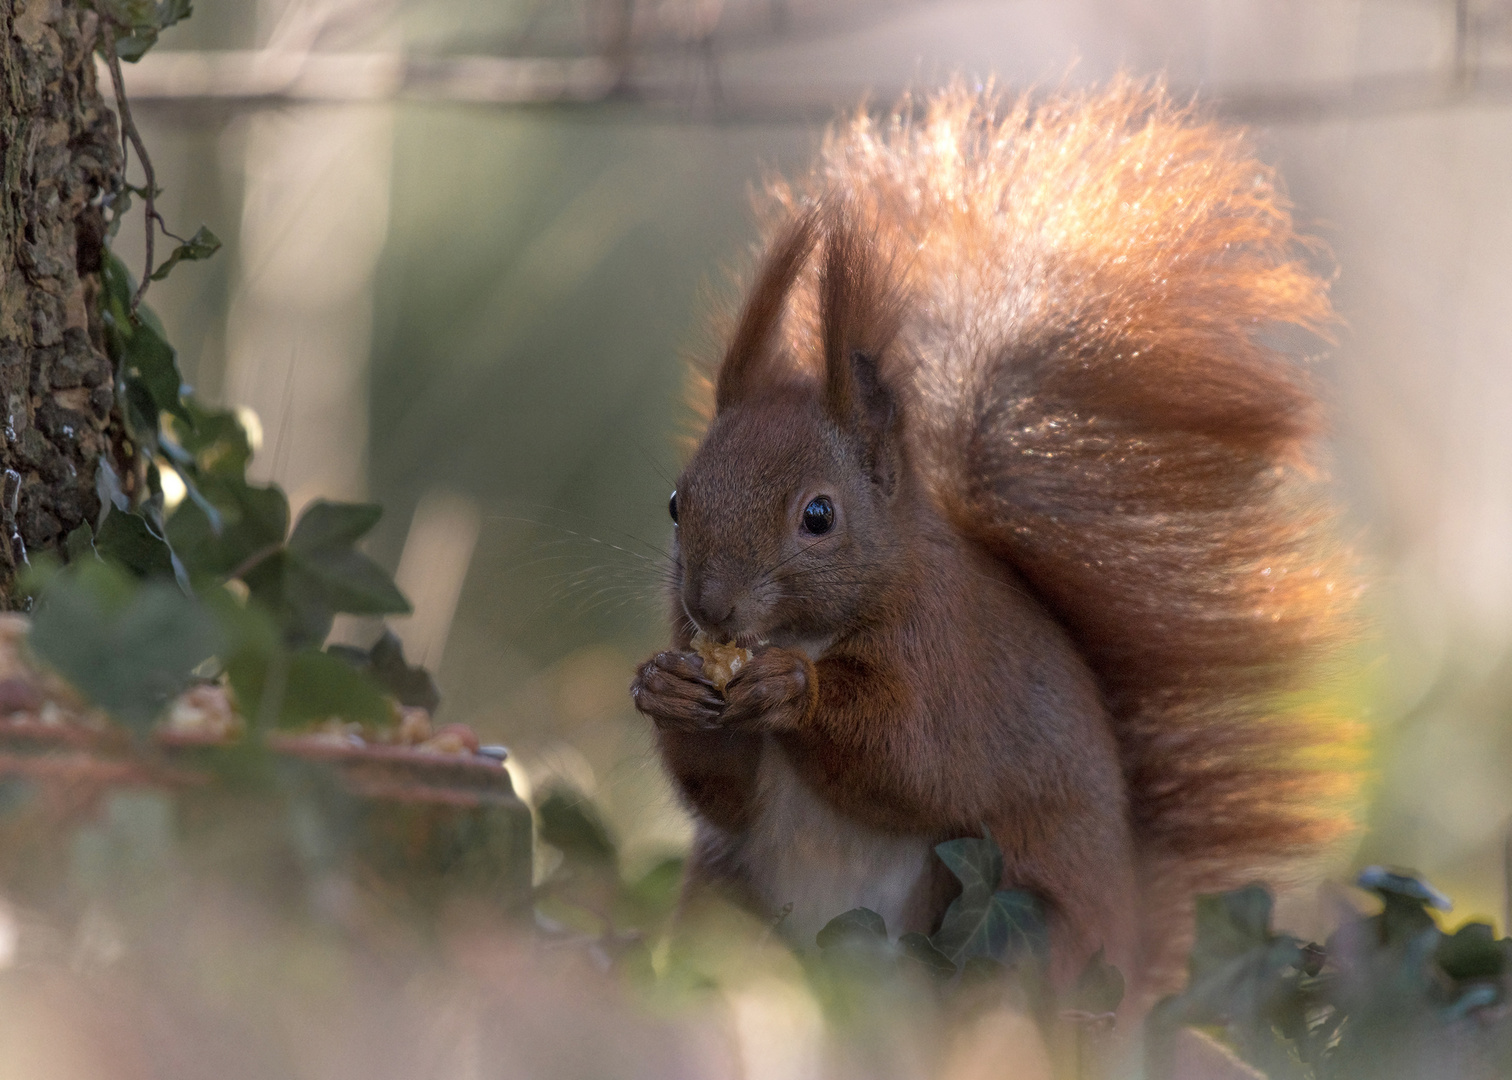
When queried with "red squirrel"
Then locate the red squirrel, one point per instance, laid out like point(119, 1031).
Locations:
point(1006, 487)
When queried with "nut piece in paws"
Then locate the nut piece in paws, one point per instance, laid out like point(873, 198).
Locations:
point(721, 662)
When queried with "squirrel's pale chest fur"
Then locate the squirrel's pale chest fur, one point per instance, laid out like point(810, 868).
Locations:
point(800, 851)
point(1005, 483)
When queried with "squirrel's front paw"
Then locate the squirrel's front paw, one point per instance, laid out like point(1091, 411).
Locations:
point(774, 689)
point(672, 690)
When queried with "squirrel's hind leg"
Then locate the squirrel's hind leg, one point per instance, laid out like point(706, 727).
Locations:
point(1087, 877)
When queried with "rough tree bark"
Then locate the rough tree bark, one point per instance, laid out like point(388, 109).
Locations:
point(60, 152)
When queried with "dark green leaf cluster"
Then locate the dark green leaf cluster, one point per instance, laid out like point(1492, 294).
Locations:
point(990, 943)
point(985, 931)
point(154, 590)
point(138, 22)
point(587, 895)
point(384, 663)
point(1389, 995)
point(128, 646)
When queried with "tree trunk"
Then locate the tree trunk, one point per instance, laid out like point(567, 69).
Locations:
point(60, 153)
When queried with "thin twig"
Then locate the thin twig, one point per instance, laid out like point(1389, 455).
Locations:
point(129, 131)
point(285, 412)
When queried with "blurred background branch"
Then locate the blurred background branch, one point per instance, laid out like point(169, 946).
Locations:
point(673, 58)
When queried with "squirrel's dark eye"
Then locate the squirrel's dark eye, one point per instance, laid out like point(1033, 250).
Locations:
point(672, 507)
point(819, 516)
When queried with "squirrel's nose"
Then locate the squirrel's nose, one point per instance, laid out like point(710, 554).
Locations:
point(713, 609)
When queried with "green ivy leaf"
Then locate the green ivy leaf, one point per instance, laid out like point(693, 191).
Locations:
point(201, 245)
point(245, 628)
point(1244, 978)
point(1028, 937)
point(130, 541)
point(323, 547)
point(142, 414)
point(384, 664)
point(152, 363)
point(1390, 996)
point(128, 646)
point(327, 527)
point(916, 950)
point(133, 46)
point(279, 585)
point(321, 572)
point(856, 961)
point(1099, 989)
point(1230, 925)
point(977, 862)
point(859, 926)
point(139, 349)
point(321, 686)
point(213, 442)
point(570, 823)
point(80, 544)
point(252, 650)
point(117, 288)
point(1004, 925)
point(250, 521)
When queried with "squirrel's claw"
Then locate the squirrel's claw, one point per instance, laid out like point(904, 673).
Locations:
point(773, 689)
point(671, 689)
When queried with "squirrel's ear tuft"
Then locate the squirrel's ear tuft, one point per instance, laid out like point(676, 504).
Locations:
point(877, 420)
point(860, 313)
point(752, 346)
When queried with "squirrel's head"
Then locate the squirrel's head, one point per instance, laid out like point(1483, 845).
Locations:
point(787, 522)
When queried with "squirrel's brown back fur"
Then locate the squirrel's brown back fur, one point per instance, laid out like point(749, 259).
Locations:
point(1090, 284)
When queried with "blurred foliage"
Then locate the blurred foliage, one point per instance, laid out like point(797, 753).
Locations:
point(129, 646)
point(147, 603)
point(585, 896)
point(1389, 995)
point(573, 825)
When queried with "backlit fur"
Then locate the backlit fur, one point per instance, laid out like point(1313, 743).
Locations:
point(1086, 551)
